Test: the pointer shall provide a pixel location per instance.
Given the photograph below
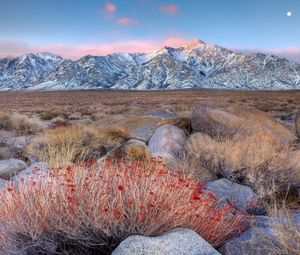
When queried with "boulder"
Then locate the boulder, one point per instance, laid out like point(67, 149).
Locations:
point(6, 152)
point(228, 192)
point(132, 149)
point(228, 119)
point(170, 140)
point(255, 241)
point(11, 167)
point(138, 127)
point(3, 184)
point(18, 142)
point(143, 127)
point(270, 222)
point(263, 237)
point(34, 171)
point(296, 219)
point(211, 120)
point(177, 242)
point(167, 159)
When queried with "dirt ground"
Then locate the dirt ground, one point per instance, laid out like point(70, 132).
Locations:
point(281, 101)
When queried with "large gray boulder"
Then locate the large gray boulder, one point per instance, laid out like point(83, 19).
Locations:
point(255, 241)
point(177, 242)
point(228, 192)
point(168, 139)
point(211, 120)
point(229, 119)
point(11, 167)
point(138, 127)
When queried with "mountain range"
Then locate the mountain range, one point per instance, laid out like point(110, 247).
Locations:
point(196, 65)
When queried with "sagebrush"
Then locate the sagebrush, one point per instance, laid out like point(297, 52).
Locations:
point(65, 145)
point(257, 160)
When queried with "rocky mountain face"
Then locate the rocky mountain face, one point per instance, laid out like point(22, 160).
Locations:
point(197, 65)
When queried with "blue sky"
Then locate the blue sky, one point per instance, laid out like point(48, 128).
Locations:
point(75, 28)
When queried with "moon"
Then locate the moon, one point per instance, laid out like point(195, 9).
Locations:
point(289, 14)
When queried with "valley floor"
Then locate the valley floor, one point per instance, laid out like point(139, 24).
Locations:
point(286, 100)
point(224, 165)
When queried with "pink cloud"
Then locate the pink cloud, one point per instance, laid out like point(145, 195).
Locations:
point(289, 53)
point(176, 42)
point(16, 48)
point(110, 9)
point(127, 21)
point(170, 9)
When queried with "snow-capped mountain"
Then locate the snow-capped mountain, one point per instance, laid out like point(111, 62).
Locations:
point(196, 65)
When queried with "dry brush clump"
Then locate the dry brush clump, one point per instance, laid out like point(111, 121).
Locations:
point(19, 123)
point(256, 160)
point(284, 231)
point(54, 113)
point(90, 209)
point(64, 145)
point(287, 235)
point(180, 122)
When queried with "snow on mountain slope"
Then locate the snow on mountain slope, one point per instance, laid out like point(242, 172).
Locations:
point(197, 65)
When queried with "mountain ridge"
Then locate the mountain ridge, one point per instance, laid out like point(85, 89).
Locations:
point(195, 65)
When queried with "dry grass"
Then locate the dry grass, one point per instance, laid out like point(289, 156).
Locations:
point(20, 124)
point(91, 209)
point(64, 145)
point(54, 113)
point(284, 229)
point(199, 171)
point(256, 160)
point(180, 122)
point(287, 235)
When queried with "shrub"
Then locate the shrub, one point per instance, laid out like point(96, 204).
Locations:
point(285, 229)
point(256, 160)
point(90, 209)
point(54, 113)
point(180, 122)
point(64, 145)
point(21, 124)
point(86, 111)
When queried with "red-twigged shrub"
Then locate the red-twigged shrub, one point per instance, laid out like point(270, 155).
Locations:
point(90, 209)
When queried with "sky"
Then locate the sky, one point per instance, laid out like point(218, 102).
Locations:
point(73, 29)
